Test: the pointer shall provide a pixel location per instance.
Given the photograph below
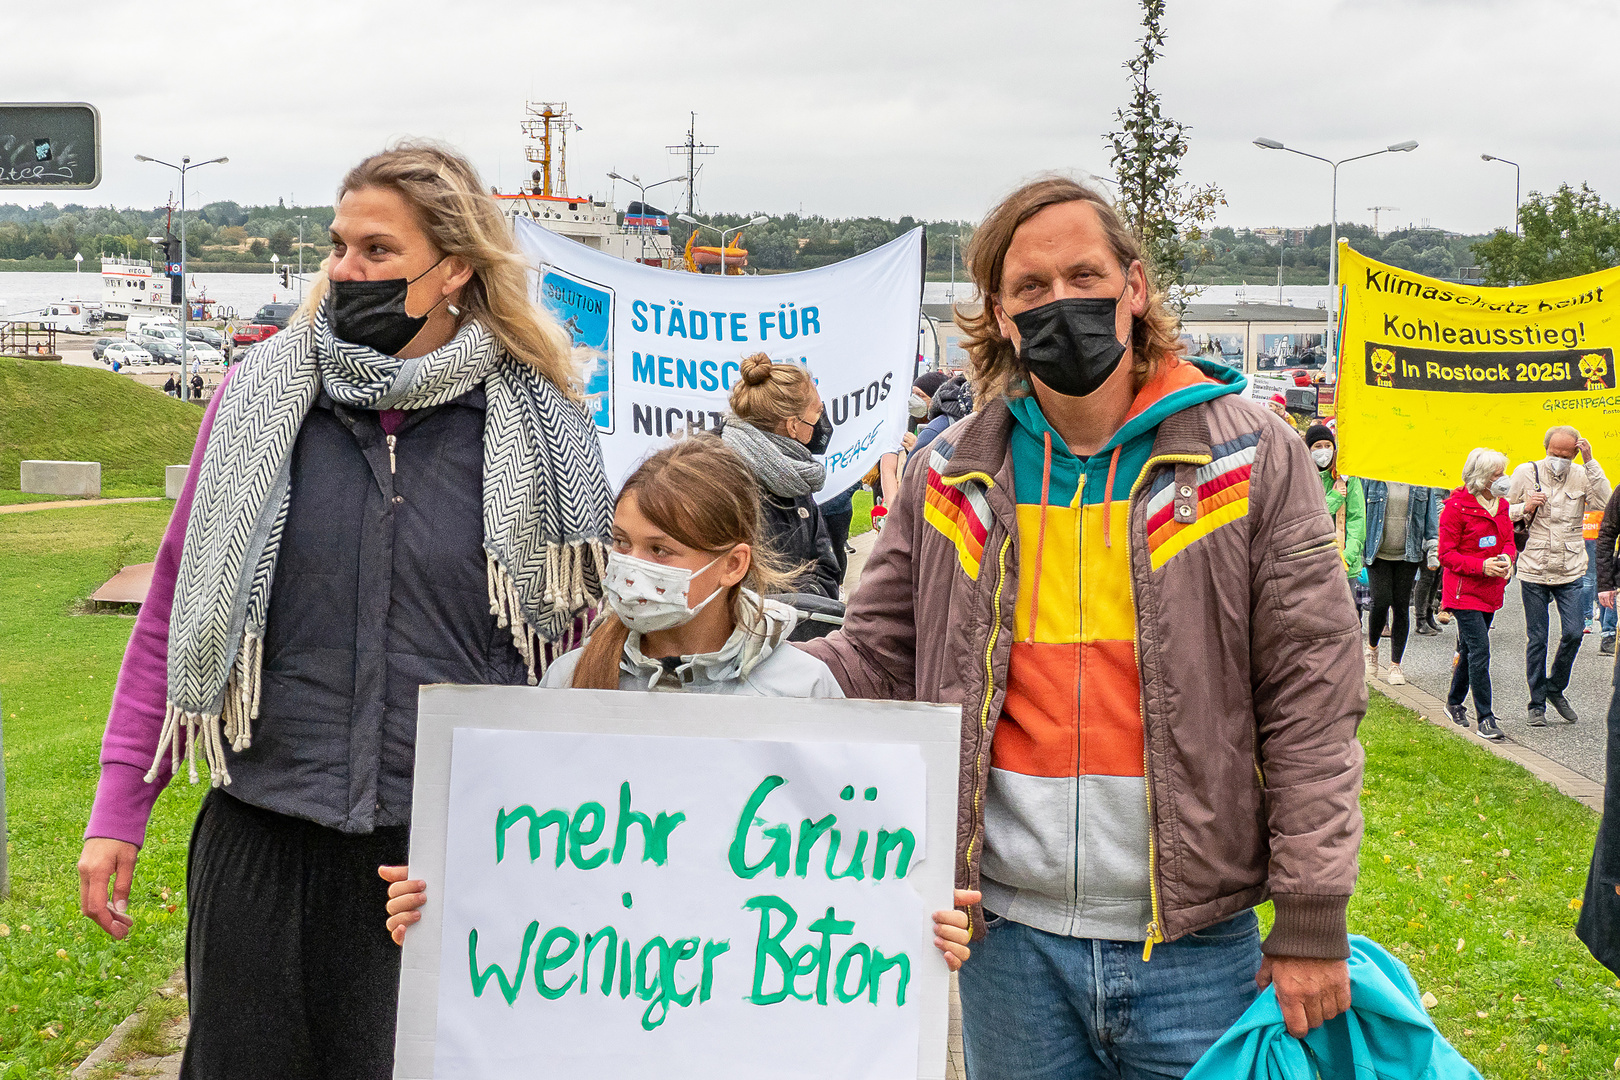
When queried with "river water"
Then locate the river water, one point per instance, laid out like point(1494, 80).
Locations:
point(26, 291)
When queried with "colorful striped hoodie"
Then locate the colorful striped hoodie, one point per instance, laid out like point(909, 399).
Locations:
point(1066, 818)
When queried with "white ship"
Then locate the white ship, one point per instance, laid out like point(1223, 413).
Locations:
point(129, 287)
point(642, 237)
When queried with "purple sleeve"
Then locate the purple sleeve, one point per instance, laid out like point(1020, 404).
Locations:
point(123, 798)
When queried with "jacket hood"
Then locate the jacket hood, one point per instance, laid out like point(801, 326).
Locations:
point(744, 650)
point(1180, 384)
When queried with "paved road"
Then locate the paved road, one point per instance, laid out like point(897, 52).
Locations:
point(1579, 746)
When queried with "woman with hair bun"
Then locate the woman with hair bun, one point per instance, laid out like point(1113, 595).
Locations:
point(778, 426)
point(400, 488)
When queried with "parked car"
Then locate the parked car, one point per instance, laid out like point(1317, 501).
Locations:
point(252, 333)
point(100, 347)
point(207, 335)
point(126, 352)
point(163, 351)
point(199, 353)
point(276, 315)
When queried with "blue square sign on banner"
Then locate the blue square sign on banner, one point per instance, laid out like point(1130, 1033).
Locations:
point(585, 310)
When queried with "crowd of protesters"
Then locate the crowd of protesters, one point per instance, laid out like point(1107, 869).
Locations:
point(1118, 566)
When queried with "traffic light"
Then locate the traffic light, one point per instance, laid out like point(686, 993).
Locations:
point(286, 282)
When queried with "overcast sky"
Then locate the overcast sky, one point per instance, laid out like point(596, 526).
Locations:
point(849, 108)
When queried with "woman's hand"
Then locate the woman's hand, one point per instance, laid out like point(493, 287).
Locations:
point(1341, 486)
point(404, 898)
point(107, 862)
point(1498, 566)
point(951, 933)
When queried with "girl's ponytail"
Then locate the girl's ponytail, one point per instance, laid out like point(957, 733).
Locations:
point(598, 667)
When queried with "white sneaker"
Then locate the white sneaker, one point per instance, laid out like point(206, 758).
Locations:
point(1372, 661)
point(1395, 677)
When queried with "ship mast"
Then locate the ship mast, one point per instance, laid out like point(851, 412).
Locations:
point(692, 149)
point(548, 124)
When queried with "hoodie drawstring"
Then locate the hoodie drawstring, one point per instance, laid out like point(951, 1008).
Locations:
point(1040, 543)
point(1108, 499)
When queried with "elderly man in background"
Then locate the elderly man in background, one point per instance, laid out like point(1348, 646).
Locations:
point(1552, 495)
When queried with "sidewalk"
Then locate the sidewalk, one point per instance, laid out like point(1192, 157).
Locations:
point(23, 508)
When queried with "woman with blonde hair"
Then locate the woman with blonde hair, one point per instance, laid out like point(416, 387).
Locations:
point(400, 488)
point(778, 426)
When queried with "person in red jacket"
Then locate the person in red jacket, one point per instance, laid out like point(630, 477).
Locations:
point(1476, 557)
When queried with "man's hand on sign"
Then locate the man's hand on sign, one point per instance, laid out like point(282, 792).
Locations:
point(951, 934)
point(1310, 992)
point(1585, 449)
point(908, 441)
point(1606, 598)
point(1533, 500)
point(404, 898)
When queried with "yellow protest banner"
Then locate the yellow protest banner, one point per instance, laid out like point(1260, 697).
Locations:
point(1429, 369)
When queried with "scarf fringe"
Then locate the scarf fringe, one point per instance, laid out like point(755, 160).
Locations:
point(233, 723)
point(567, 566)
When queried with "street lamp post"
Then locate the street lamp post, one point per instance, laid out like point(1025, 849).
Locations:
point(644, 188)
point(1333, 230)
point(301, 219)
point(1515, 164)
point(185, 301)
point(760, 220)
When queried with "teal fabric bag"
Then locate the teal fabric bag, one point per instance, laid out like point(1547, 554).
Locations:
point(1386, 1035)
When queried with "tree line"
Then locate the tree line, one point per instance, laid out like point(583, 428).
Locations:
point(218, 231)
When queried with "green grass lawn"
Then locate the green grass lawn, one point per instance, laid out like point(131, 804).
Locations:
point(1469, 867)
point(63, 983)
point(1471, 872)
point(55, 412)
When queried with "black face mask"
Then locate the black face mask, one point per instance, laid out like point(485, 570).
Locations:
point(820, 435)
point(372, 313)
point(1069, 344)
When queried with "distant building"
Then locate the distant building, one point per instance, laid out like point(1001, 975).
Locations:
point(1257, 337)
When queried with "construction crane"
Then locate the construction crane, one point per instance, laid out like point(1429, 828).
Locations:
point(1375, 210)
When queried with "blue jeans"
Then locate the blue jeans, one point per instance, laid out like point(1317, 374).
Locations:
point(1572, 623)
point(1606, 616)
point(1039, 1005)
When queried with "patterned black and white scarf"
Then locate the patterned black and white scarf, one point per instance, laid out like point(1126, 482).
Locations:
point(547, 511)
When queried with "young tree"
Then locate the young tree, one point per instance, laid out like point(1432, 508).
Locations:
point(1566, 234)
point(1167, 215)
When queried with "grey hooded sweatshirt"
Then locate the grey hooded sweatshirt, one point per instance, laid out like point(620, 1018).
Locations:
point(755, 661)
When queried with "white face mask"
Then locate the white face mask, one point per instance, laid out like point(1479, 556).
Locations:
point(1558, 467)
point(1499, 486)
point(1322, 457)
point(649, 596)
point(917, 407)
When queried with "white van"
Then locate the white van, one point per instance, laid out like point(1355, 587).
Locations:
point(137, 324)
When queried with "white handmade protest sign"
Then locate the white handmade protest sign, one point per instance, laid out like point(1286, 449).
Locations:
point(669, 344)
point(626, 884)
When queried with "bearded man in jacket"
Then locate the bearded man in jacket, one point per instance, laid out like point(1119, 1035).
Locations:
point(1124, 572)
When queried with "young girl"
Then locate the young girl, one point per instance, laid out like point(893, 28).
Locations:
point(687, 612)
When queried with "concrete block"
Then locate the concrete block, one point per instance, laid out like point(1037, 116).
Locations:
point(61, 477)
point(174, 480)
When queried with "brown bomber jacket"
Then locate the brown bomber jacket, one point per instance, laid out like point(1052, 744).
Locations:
point(1249, 648)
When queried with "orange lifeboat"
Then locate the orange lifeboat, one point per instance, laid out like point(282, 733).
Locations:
point(710, 256)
